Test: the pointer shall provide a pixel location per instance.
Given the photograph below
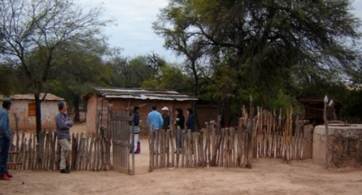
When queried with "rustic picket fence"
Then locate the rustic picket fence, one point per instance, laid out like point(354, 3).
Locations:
point(270, 136)
point(89, 152)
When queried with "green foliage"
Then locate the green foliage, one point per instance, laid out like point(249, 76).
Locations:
point(281, 101)
point(7, 80)
point(170, 78)
point(78, 70)
point(351, 111)
point(132, 73)
point(257, 47)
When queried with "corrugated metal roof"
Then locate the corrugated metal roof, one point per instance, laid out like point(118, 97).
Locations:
point(143, 94)
point(48, 97)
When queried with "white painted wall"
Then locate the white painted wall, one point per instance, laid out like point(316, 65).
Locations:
point(48, 110)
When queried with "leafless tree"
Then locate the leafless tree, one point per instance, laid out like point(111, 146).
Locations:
point(32, 30)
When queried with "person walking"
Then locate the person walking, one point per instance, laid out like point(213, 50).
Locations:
point(5, 138)
point(63, 125)
point(166, 118)
point(136, 129)
point(154, 121)
point(180, 125)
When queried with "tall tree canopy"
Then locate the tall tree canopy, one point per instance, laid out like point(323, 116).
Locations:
point(258, 47)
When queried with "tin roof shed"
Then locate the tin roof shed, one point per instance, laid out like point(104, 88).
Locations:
point(143, 94)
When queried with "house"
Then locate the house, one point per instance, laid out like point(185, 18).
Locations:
point(105, 99)
point(313, 110)
point(23, 107)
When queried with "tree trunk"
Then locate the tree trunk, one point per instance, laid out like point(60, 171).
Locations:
point(196, 93)
point(38, 115)
point(38, 124)
point(76, 108)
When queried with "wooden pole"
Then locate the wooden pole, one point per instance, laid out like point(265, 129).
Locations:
point(150, 141)
point(249, 135)
point(213, 143)
point(184, 147)
point(327, 130)
point(207, 149)
point(167, 150)
point(172, 148)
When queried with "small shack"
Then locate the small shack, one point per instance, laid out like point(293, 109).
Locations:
point(105, 99)
point(313, 110)
point(23, 107)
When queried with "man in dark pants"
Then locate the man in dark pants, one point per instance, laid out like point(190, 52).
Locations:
point(63, 123)
point(166, 118)
point(5, 137)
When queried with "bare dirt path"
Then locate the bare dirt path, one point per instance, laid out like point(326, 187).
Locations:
point(268, 176)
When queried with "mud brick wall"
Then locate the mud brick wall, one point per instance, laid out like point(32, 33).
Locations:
point(344, 145)
point(345, 151)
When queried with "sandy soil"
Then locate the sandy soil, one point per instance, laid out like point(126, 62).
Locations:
point(268, 176)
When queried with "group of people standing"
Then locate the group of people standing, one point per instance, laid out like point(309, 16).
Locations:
point(157, 121)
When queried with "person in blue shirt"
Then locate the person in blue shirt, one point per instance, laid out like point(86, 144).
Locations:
point(5, 137)
point(154, 121)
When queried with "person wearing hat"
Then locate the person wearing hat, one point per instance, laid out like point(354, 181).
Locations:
point(5, 137)
point(166, 118)
point(63, 124)
point(136, 129)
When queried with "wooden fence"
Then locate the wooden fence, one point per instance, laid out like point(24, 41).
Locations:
point(265, 135)
point(89, 152)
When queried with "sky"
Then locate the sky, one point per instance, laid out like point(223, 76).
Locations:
point(133, 31)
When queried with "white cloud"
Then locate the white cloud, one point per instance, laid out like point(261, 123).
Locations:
point(357, 8)
point(133, 30)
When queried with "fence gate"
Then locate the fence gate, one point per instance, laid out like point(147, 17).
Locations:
point(119, 126)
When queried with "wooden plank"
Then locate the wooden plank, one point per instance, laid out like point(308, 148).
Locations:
point(172, 148)
point(151, 143)
point(250, 132)
point(24, 151)
point(156, 146)
point(91, 153)
point(184, 147)
point(74, 151)
point(167, 148)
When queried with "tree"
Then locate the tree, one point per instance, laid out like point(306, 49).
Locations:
point(131, 73)
point(183, 42)
point(85, 69)
point(7, 79)
point(38, 28)
point(172, 78)
point(257, 43)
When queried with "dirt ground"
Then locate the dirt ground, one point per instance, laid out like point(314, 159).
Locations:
point(268, 176)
